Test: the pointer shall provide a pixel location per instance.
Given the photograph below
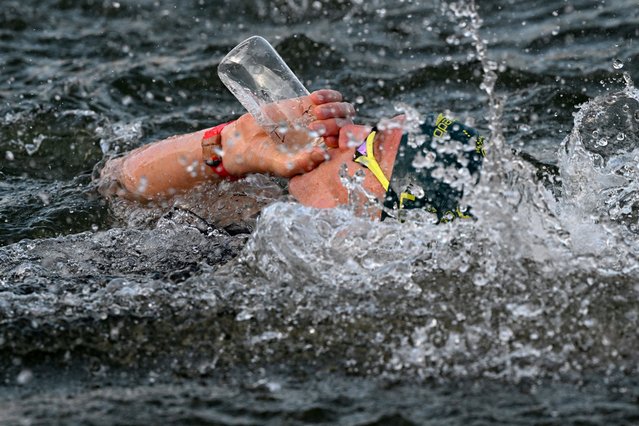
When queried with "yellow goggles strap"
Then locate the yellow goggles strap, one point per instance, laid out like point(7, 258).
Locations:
point(371, 163)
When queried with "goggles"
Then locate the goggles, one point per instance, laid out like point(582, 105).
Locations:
point(365, 155)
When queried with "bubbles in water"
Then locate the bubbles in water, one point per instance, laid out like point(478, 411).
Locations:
point(602, 142)
point(617, 64)
point(8, 155)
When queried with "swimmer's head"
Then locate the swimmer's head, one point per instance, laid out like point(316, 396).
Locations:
point(392, 173)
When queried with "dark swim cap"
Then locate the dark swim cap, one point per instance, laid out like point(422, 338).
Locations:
point(431, 168)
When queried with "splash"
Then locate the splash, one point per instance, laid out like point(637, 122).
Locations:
point(598, 163)
point(525, 291)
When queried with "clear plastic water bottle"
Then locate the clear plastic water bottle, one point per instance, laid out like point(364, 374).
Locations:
point(264, 84)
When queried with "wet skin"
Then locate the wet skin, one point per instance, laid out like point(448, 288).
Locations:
point(322, 187)
point(159, 170)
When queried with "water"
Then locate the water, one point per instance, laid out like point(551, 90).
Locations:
point(206, 311)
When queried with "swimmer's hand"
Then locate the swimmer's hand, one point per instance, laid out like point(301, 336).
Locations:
point(247, 148)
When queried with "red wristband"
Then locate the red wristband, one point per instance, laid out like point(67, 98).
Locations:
point(212, 140)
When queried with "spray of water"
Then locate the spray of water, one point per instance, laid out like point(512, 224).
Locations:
point(522, 292)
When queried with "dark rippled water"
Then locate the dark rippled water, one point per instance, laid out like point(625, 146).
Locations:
point(205, 311)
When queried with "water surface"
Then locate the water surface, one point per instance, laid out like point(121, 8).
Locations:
point(207, 311)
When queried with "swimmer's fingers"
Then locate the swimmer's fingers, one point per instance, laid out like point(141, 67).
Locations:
point(333, 110)
point(323, 96)
point(329, 129)
point(286, 109)
point(286, 164)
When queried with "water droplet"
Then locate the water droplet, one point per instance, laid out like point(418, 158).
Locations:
point(46, 200)
point(505, 334)
point(359, 100)
point(602, 142)
point(282, 128)
point(480, 280)
point(9, 156)
point(451, 39)
point(24, 377)
point(617, 64)
point(621, 136)
point(31, 148)
point(142, 185)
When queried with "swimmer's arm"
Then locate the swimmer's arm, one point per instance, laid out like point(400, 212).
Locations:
point(158, 170)
point(161, 169)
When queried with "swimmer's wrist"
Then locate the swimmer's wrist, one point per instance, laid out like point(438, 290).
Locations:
point(212, 150)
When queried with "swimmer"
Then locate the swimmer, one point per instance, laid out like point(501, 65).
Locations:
point(400, 171)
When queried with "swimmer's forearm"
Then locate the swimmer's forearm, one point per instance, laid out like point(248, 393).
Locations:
point(161, 169)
